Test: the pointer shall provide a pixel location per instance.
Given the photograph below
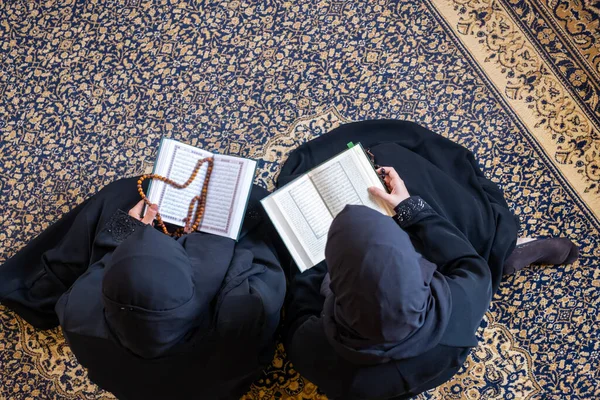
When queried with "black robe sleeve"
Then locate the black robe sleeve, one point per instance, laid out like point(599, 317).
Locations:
point(439, 241)
point(467, 273)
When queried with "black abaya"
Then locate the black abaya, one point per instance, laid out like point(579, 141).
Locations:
point(212, 347)
point(465, 228)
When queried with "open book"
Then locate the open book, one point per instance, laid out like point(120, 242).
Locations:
point(303, 210)
point(228, 189)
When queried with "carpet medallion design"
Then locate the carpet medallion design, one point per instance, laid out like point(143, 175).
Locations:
point(88, 88)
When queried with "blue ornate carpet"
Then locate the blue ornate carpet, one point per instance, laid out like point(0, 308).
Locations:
point(88, 88)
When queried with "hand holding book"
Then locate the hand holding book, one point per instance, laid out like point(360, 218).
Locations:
point(395, 184)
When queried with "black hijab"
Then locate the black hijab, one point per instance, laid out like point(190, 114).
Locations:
point(157, 290)
point(386, 302)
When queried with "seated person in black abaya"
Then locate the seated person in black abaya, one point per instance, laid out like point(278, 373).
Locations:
point(393, 309)
point(149, 316)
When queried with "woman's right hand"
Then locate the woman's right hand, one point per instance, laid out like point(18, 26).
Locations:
point(398, 192)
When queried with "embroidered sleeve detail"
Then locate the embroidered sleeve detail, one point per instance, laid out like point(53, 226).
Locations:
point(121, 225)
point(409, 209)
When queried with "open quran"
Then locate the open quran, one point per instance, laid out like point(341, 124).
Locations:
point(303, 210)
point(228, 188)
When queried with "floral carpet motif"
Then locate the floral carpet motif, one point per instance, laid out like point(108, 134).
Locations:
point(88, 88)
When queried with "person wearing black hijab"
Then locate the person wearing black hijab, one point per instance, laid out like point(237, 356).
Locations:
point(393, 309)
point(149, 316)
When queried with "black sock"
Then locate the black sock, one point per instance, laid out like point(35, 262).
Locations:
point(541, 251)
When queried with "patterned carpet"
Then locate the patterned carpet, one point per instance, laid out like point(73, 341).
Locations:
point(88, 88)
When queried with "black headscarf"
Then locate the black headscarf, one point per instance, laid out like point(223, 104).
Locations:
point(157, 290)
point(386, 301)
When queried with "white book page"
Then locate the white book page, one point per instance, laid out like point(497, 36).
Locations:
point(307, 216)
point(343, 180)
point(300, 256)
point(228, 189)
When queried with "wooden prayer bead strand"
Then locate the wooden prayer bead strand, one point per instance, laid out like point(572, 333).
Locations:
point(197, 202)
point(201, 199)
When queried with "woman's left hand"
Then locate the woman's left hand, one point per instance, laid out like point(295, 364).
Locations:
point(148, 218)
point(398, 192)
